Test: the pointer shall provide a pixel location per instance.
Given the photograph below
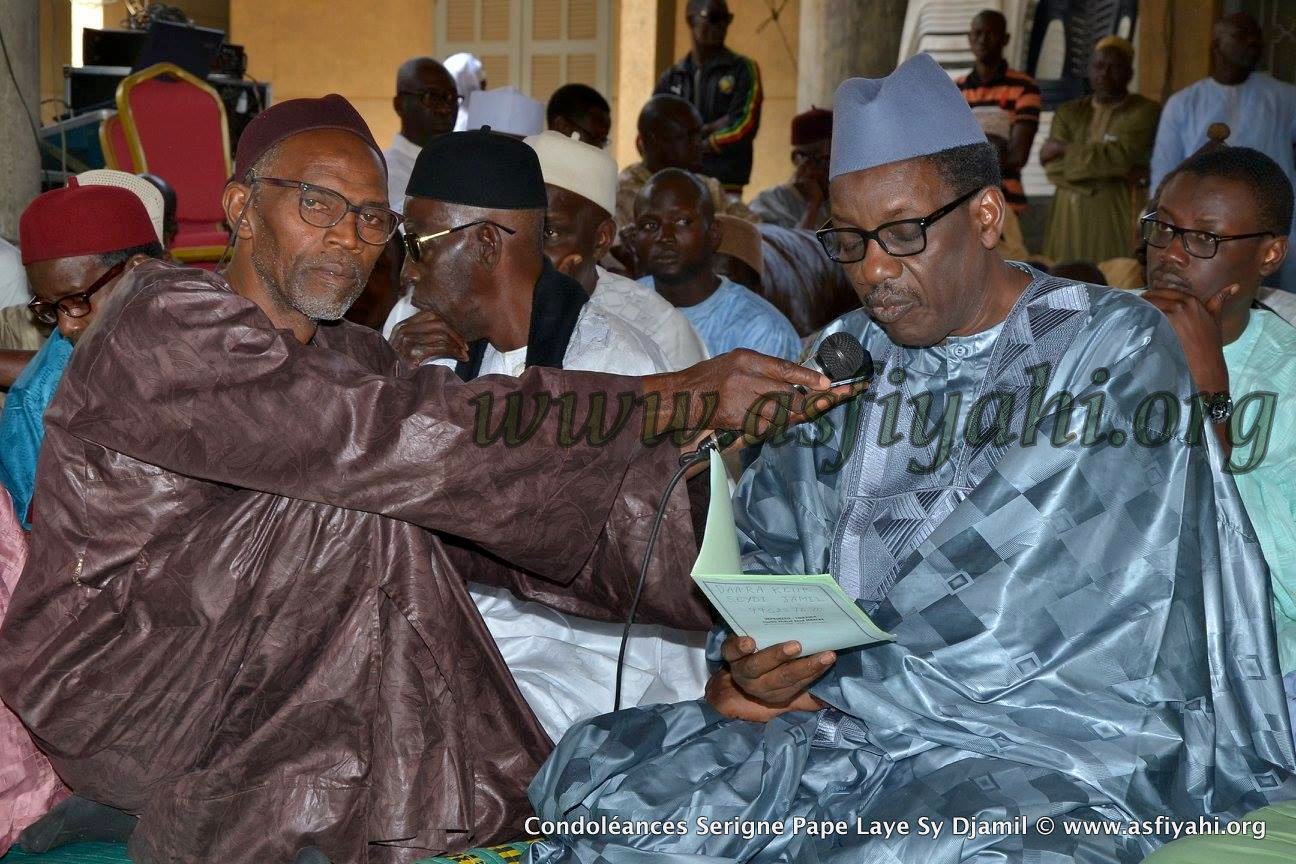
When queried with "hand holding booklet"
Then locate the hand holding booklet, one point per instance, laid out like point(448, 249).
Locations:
point(811, 609)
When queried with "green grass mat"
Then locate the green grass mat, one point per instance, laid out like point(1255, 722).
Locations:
point(76, 853)
point(113, 853)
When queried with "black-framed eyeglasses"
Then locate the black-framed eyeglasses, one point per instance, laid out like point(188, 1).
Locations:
point(899, 239)
point(434, 98)
point(414, 243)
point(1199, 244)
point(324, 208)
point(73, 305)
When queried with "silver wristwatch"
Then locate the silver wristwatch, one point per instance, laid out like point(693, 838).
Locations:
point(1219, 407)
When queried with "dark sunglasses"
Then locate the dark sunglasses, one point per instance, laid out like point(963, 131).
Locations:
point(707, 18)
point(414, 242)
point(73, 305)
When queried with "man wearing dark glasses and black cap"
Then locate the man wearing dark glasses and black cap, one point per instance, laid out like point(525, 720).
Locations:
point(240, 621)
point(475, 264)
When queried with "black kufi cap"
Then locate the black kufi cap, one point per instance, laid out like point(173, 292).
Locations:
point(480, 168)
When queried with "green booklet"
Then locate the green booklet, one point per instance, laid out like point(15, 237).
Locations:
point(771, 609)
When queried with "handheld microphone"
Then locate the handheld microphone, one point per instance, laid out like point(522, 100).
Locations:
point(843, 360)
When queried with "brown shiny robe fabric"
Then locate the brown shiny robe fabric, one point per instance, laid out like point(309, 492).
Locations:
point(239, 619)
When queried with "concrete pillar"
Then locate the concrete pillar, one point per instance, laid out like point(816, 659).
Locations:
point(645, 48)
point(19, 163)
point(1173, 47)
point(842, 41)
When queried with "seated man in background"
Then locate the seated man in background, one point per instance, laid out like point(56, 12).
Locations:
point(1080, 617)
point(507, 308)
point(578, 109)
point(581, 184)
point(427, 103)
point(676, 237)
point(77, 242)
point(802, 202)
point(670, 136)
point(1220, 227)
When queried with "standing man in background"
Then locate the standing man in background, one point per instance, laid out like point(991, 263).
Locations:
point(725, 88)
point(1004, 101)
point(1259, 110)
point(427, 103)
point(1098, 148)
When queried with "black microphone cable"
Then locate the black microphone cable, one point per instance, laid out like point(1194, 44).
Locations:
point(840, 357)
point(687, 461)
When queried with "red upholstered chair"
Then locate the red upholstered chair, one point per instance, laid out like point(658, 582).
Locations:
point(112, 140)
point(176, 128)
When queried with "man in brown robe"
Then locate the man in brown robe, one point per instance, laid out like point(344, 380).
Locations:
point(239, 621)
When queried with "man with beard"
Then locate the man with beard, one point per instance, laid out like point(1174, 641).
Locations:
point(1081, 621)
point(427, 103)
point(1260, 111)
point(239, 621)
point(676, 237)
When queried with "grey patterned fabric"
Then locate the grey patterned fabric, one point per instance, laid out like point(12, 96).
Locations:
point(1083, 629)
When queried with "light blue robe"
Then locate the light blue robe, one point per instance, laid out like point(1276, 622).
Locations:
point(1260, 113)
point(1083, 630)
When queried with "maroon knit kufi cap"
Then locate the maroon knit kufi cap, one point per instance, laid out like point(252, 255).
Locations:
point(294, 117)
point(83, 220)
point(811, 127)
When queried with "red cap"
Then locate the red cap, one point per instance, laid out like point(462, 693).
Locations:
point(811, 127)
point(83, 220)
point(294, 117)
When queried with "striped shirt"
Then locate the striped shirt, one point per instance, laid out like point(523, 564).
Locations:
point(1008, 98)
